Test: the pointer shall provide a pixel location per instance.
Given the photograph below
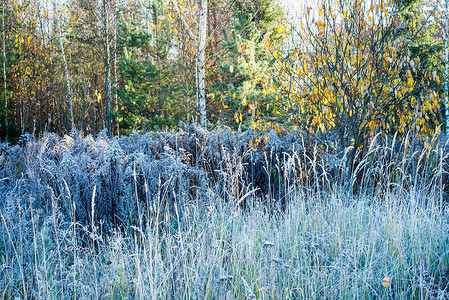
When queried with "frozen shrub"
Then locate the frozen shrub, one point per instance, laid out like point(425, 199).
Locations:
point(148, 173)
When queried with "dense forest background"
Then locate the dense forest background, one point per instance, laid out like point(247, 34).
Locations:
point(352, 68)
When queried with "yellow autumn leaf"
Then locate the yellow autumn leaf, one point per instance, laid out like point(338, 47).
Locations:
point(244, 102)
point(321, 126)
point(275, 54)
point(267, 43)
point(233, 96)
point(280, 28)
point(253, 125)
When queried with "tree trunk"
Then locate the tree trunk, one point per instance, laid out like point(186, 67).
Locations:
point(107, 82)
point(66, 70)
point(446, 37)
point(115, 68)
point(22, 114)
point(158, 61)
point(5, 111)
point(201, 62)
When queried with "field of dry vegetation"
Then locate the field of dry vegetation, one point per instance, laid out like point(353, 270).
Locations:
point(195, 214)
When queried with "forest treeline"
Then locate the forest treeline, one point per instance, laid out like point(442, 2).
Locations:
point(351, 68)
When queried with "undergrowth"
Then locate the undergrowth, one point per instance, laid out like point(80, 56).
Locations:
point(196, 214)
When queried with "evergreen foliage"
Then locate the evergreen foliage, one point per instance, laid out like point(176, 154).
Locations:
point(420, 32)
point(150, 97)
point(248, 64)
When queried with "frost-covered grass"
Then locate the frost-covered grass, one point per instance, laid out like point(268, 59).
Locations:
point(182, 230)
point(336, 247)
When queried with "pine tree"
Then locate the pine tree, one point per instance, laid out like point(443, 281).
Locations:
point(150, 96)
point(419, 31)
point(244, 88)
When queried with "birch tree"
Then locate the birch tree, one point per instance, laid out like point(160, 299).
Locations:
point(359, 78)
point(5, 114)
point(200, 55)
point(107, 63)
point(201, 63)
point(66, 70)
point(115, 65)
point(446, 88)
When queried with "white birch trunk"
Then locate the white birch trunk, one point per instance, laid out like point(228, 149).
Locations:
point(446, 37)
point(201, 62)
point(4, 73)
point(22, 115)
point(107, 67)
point(66, 70)
point(115, 67)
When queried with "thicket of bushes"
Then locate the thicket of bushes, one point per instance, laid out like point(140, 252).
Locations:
point(75, 195)
point(123, 173)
